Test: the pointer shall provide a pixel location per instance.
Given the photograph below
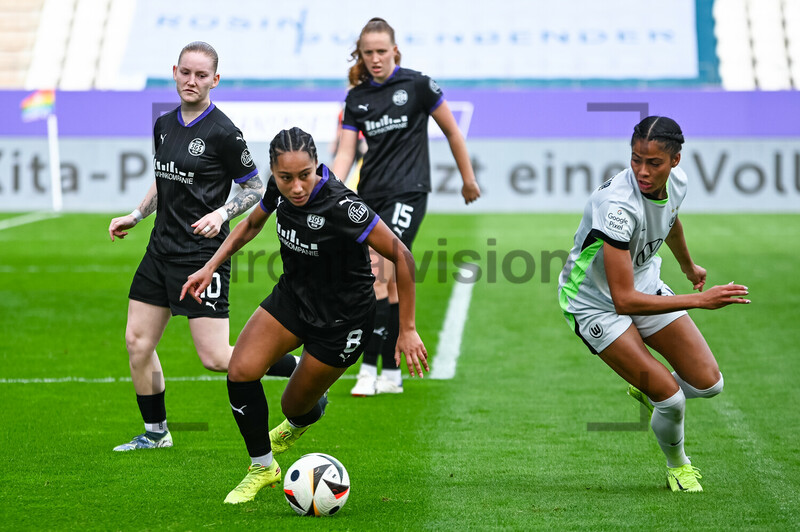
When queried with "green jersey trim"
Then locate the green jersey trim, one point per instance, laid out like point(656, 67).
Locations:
point(577, 275)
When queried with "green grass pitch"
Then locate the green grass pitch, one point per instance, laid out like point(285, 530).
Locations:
point(502, 446)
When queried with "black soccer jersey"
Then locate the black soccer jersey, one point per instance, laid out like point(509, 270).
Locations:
point(194, 165)
point(393, 116)
point(326, 263)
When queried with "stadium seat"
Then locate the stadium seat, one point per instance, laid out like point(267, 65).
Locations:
point(19, 20)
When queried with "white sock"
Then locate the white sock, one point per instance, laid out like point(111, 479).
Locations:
point(370, 370)
point(691, 392)
point(265, 460)
point(667, 424)
point(156, 427)
point(393, 375)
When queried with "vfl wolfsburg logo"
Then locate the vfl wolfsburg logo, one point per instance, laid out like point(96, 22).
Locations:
point(197, 147)
point(400, 97)
point(596, 331)
point(315, 221)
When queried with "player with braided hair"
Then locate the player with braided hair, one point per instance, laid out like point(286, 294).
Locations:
point(612, 295)
point(323, 301)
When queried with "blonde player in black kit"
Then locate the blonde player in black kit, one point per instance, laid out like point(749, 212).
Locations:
point(324, 300)
point(198, 152)
point(390, 106)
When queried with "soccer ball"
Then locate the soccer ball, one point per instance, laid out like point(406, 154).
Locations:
point(316, 484)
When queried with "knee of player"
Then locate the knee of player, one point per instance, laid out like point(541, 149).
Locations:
point(215, 365)
point(137, 345)
point(715, 389)
point(673, 407)
point(215, 359)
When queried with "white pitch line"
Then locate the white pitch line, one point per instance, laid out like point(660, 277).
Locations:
point(26, 219)
point(449, 348)
point(113, 380)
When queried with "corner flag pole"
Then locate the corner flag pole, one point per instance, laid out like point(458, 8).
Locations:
point(55, 162)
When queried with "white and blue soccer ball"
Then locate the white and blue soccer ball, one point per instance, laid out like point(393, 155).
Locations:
point(317, 484)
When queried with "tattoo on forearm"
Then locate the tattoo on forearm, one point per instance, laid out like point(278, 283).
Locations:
point(148, 205)
point(251, 193)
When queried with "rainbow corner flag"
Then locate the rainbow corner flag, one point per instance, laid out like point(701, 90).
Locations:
point(38, 105)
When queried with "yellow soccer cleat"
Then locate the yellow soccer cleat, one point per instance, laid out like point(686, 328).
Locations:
point(684, 478)
point(257, 477)
point(284, 435)
point(637, 394)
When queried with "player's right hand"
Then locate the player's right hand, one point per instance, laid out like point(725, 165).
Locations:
point(196, 284)
point(118, 226)
point(722, 295)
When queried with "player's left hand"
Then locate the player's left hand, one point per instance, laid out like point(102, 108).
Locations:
point(697, 276)
point(470, 191)
point(410, 344)
point(209, 225)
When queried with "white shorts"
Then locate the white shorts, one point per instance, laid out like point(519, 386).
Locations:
point(598, 328)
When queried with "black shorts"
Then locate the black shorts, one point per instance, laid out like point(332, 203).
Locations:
point(158, 282)
point(339, 345)
point(403, 213)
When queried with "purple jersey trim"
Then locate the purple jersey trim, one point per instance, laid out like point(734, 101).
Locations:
point(247, 177)
point(351, 128)
point(376, 84)
point(264, 207)
point(437, 104)
point(193, 122)
point(325, 174)
point(369, 229)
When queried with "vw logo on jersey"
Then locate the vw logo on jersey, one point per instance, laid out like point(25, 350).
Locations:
point(596, 331)
point(357, 212)
point(400, 97)
point(247, 159)
point(315, 221)
point(197, 147)
point(647, 252)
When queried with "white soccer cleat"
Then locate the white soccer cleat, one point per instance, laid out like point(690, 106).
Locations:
point(365, 385)
point(143, 441)
point(384, 385)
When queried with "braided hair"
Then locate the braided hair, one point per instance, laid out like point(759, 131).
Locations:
point(662, 129)
point(294, 139)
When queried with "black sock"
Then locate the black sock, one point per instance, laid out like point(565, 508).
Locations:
point(249, 407)
point(308, 418)
point(376, 339)
point(392, 332)
point(283, 367)
point(152, 407)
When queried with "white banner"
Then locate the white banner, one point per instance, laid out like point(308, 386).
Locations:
point(743, 175)
point(448, 39)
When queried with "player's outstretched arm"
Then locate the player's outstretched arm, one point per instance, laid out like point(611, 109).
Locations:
point(382, 240)
point(118, 226)
point(211, 224)
point(628, 300)
point(244, 232)
point(447, 122)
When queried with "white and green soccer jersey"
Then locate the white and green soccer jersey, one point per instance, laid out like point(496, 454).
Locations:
point(618, 213)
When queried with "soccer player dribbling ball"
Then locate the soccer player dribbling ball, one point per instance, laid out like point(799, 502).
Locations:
point(324, 300)
point(390, 105)
point(612, 296)
point(198, 152)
